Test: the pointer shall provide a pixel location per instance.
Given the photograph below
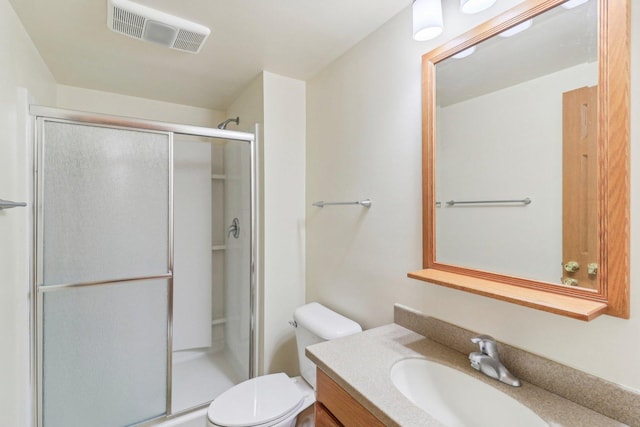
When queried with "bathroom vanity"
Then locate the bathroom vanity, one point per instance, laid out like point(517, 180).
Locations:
point(335, 406)
point(355, 387)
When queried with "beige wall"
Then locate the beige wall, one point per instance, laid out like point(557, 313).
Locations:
point(94, 101)
point(277, 103)
point(364, 140)
point(283, 157)
point(24, 78)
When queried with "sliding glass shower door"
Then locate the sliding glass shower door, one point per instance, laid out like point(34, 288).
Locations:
point(143, 269)
point(103, 274)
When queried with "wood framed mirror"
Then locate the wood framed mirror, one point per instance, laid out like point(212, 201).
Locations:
point(543, 223)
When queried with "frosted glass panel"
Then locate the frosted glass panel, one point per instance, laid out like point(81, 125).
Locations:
point(105, 203)
point(105, 354)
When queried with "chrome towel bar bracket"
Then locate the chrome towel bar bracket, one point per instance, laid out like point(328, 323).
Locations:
point(366, 203)
point(7, 204)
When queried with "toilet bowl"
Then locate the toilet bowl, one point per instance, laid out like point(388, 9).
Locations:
point(267, 401)
point(275, 400)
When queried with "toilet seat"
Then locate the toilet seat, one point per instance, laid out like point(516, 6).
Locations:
point(258, 402)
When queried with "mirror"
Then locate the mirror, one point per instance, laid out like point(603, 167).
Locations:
point(503, 115)
point(524, 138)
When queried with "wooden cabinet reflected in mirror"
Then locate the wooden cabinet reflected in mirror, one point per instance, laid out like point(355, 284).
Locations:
point(580, 243)
point(539, 120)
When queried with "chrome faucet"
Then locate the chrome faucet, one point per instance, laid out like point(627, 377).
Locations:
point(488, 362)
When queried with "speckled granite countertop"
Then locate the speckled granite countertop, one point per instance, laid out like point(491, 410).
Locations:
point(361, 364)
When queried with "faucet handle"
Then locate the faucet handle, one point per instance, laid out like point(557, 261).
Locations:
point(487, 345)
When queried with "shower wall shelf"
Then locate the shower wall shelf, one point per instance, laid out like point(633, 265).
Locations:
point(218, 247)
point(220, 321)
point(8, 204)
point(218, 176)
point(366, 203)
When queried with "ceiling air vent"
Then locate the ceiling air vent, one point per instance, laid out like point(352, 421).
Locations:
point(144, 23)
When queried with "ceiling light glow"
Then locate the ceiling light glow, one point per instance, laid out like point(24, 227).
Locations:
point(464, 53)
point(517, 29)
point(475, 6)
point(427, 19)
point(573, 3)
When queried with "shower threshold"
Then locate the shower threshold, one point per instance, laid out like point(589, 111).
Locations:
point(199, 376)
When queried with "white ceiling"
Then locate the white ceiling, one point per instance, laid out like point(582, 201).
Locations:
point(295, 38)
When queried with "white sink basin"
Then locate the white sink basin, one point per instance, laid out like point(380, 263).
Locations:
point(457, 399)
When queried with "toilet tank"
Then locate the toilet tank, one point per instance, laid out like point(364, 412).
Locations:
point(316, 323)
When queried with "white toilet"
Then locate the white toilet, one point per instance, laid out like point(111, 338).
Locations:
point(276, 400)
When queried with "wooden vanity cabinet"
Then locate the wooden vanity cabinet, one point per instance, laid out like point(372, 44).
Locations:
point(335, 407)
point(324, 418)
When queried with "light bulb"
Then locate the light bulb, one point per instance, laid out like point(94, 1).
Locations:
point(464, 53)
point(517, 29)
point(573, 3)
point(475, 6)
point(427, 19)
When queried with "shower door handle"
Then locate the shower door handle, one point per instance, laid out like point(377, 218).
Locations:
point(234, 228)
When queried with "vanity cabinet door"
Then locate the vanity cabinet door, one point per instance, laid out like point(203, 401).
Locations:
point(324, 418)
point(341, 405)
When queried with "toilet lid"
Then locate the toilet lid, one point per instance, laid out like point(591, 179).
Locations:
point(255, 401)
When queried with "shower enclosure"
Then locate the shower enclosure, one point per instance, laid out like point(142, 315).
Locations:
point(143, 267)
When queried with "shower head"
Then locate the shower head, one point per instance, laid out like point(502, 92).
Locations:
point(224, 124)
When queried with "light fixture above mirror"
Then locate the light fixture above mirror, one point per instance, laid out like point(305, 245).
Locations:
point(427, 19)
point(517, 29)
point(475, 6)
point(428, 22)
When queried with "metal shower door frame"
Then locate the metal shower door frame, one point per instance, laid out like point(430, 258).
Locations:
point(41, 114)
